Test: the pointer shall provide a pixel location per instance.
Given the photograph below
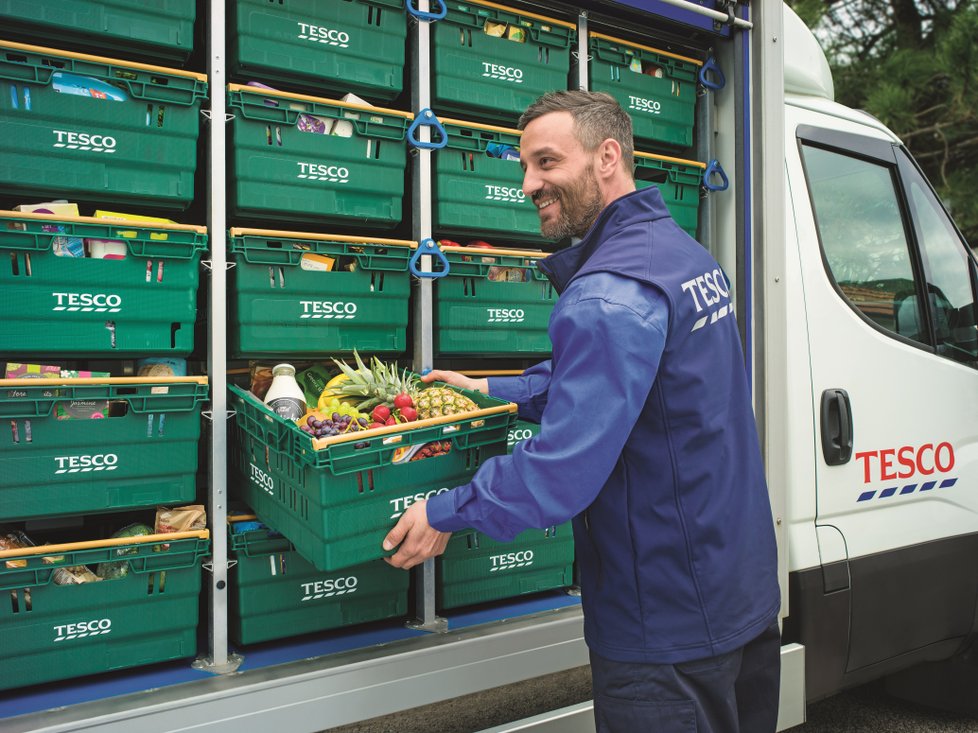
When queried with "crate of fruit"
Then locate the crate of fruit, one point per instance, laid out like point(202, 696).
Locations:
point(94, 606)
point(275, 593)
point(335, 483)
point(79, 445)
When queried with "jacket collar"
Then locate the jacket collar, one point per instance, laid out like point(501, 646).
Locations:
point(590, 254)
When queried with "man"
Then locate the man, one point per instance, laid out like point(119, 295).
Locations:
point(647, 440)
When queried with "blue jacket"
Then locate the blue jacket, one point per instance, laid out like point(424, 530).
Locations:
point(647, 440)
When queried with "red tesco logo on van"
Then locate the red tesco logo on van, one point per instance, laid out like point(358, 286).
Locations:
point(907, 461)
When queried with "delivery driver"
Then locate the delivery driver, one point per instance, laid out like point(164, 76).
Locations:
point(647, 441)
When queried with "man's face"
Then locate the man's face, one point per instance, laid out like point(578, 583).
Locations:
point(558, 176)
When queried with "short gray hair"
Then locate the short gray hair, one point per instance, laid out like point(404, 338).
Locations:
point(597, 117)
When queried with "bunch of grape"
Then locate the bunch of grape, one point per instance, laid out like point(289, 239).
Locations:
point(335, 424)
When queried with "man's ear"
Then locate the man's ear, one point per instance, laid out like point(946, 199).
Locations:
point(609, 157)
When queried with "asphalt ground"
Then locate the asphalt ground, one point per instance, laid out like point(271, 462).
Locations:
point(866, 709)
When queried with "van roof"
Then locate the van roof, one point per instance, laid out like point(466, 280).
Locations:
point(806, 70)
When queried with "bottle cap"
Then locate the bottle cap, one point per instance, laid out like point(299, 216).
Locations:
point(283, 369)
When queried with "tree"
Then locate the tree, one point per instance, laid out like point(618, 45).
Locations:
point(914, 65)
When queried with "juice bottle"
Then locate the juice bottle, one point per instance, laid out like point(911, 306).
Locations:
point(284, 396)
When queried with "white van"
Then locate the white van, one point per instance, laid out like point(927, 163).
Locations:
point(875, 441)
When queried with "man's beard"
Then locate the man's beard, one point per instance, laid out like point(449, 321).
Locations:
point(580, 205)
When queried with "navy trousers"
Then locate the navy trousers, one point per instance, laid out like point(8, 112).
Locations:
point(735, 692)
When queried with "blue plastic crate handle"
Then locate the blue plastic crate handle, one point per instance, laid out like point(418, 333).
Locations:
point(711, 66)
point(427, 118)
point(714, 168)
point(428, 247)
point(427, 17)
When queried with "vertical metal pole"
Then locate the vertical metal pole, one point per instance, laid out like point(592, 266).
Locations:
point(217, 359)
point(705, 151)
point(583, 62)
point(423, 299)
point(771, 383)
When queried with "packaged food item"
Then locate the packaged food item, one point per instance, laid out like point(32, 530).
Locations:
point(284, 396)
point(83, 374)
point(67, 246)
point(86, 86)
point(15, 540)
point(496, 30)
point(161, 366)
point(316, 263)
point(315, 124)
point(119, 569)
point(313, 381)
point(515, 33)
point(508, 274)
point(81, 410)
point(261, 380)
point(74, 575)
point(180, 519)
point(16, 370)
point(635, 65)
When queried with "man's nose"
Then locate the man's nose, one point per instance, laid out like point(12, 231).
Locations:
point(531, 183)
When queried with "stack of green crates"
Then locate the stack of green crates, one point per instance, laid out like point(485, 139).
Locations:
point(55, 631)
point(656, 88)
point(155, 31)
point(353, 46)
point(145, 303)
point(494, 61)
point(481, 309)
point(274, 593)
point(142, 453)
point(477, 569)
point(89, 128)
point(478, 194)
point(279, 307)
point(310, 159)
point(336, 502)
point(678, 181)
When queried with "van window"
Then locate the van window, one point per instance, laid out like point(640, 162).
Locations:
point(865, 245)
point(949, 272)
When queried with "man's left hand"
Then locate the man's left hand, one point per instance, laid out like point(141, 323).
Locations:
point(418, 540)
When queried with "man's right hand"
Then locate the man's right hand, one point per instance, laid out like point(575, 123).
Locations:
point(456, 380)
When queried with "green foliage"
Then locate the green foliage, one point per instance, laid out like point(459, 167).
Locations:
point(912, 64)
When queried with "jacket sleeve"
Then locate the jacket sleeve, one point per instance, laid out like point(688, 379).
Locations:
point(606, 357)
point(528, 391)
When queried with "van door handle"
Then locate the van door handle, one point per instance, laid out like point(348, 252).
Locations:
point(836, 427)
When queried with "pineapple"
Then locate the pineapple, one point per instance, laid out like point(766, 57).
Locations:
point(439, 401)
point(375, 385)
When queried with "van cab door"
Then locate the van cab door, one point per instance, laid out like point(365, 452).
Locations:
point(890, 291)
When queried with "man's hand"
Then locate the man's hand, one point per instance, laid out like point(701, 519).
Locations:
point(456, 380)
point(418, 540)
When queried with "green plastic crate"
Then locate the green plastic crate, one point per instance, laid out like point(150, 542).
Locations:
point(662, 107)
point(495, 77)
point(679, 183)
point(278, 308)
point(162, 30)
point(477, 569)
point(282, 172)
point(143, 304)
point(477, 194)
point(141, 149)
point(344, 47)
point(54, 632)
point(477, 315)
point(275, 593)
point(337, 503)
point(53, 467)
